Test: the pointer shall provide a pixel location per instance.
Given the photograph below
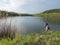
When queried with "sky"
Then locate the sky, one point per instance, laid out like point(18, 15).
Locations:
point(29, 6)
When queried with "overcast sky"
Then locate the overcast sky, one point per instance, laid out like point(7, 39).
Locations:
point(28, 6)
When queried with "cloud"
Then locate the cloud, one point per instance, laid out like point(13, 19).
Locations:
point(11, 5)
point(28, 6)
point(16, 3)
point(37, 6)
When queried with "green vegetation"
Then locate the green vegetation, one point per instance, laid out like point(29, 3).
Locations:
point(10, 37)
point(52, 16)
point(7, 14)
point(44, 38)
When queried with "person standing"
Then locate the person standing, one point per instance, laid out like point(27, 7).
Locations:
point(47, 27)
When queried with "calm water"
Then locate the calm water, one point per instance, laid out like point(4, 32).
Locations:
point(26, 24)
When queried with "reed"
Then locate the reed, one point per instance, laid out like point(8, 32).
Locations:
point(7, 30)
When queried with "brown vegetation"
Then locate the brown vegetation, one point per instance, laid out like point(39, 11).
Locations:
point(7, 30)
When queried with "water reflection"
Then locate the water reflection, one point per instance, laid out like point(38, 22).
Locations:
point(26, 24)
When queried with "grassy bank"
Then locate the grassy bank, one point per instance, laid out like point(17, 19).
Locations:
point(52, 16)
point(44, 38)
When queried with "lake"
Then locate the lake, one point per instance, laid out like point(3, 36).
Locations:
point(27, 24)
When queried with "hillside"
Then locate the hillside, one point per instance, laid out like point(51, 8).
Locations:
point(52, 11)
point(52, 16)
point(7, 14)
